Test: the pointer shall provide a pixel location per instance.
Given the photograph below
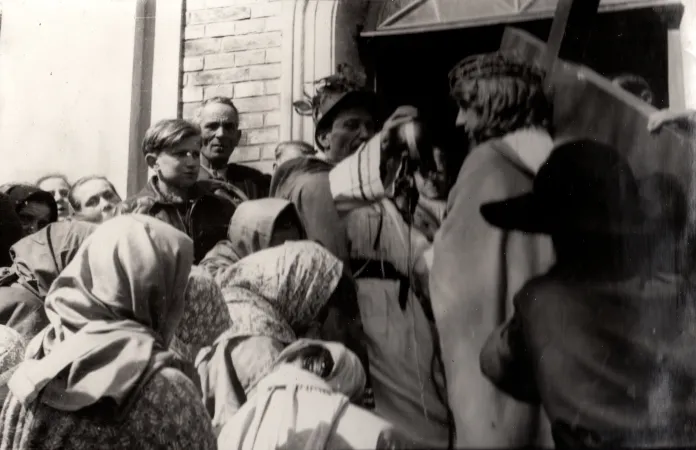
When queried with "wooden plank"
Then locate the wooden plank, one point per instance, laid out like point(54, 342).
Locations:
point(570, 31)
point(589, 105)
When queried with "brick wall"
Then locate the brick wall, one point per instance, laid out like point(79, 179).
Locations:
point(232, 48)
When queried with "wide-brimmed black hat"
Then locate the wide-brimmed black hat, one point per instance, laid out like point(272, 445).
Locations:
point(584, 187)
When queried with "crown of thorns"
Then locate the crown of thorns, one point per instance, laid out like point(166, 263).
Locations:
point(494, 65)
point(346, 79)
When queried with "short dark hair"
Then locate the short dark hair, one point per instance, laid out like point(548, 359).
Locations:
point(71, 195)
point(212, 101)
point(52, 175)
point(304, 147)
point(507, 92)
point(167, 133)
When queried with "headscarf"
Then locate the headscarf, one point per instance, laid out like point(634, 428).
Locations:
point(40, 257)
point(12, 348)
point(205, 315)
point(10, 229)
point(251, 229)
point(20, 194)
point(280, 290)
point(347, 376)
point(113, 310)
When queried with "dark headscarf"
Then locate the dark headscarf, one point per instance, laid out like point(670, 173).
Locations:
point(20, 194)
point(10, 229)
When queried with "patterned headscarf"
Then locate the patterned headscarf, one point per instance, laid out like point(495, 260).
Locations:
point(113, 310)
point(278, 291)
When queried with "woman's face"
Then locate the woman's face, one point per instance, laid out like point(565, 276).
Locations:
point(59, 188)
point(34, 216)
point(178, 166)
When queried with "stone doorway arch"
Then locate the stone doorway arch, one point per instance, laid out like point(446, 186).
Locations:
point(317, 36)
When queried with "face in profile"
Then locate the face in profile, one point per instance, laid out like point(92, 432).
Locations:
point(97, 199)
point(59, 188)
point(351, 128)
point(178, 166)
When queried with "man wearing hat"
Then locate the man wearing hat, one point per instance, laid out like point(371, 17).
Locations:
point(345, 117)
point(605, 347)
point(477, 268)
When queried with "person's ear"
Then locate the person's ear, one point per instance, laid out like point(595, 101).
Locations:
point(151, 160)
point(237, 137)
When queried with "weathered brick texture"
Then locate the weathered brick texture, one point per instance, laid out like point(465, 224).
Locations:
point(232, 48)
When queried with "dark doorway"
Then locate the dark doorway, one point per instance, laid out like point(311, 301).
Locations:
point(412, 69)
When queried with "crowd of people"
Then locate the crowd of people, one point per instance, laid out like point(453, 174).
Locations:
point(366, 295)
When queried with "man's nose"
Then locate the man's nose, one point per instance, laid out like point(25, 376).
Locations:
point(365, 132)
point(461, 118)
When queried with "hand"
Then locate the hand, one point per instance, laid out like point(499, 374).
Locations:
point(685, 120)
point(402, 114)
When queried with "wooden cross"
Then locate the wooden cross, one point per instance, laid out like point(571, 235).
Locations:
point(570, 32)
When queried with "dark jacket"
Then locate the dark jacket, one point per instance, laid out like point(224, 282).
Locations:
point(613, 363)
point(204, 217)
point(253, 183)
point(305, 182)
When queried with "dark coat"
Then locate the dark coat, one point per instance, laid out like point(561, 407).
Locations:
point(305, 182)
point(612, 363)
point(204, 217)
point(253, 183)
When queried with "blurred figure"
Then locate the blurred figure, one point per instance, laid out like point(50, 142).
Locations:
point(94, 198)
point(476, 268)
point(100, 375)
point(218, 119)
point(636, 85)
point(606, 346)
point(201, 209)
point(292, 149)
point(36, 208)
point(10, 229)
point(38, 259)
point(59, 187)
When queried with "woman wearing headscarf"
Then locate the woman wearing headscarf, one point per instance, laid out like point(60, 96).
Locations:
point(205, 316)
point(12, 348)
point(305, 402)
point(10, 229)
point(255, 225)
point(35, 208)
point(38, 260)
point(273, 297)
point(99, 376)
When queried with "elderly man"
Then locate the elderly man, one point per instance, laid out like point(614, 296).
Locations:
point(477, 269)
point(219, 122)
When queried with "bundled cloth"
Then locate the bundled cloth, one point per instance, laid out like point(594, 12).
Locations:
point(296, 409)
point(12, 349)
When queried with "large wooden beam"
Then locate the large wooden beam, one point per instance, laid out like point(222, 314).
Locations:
point(570, 31)
point(588, 105)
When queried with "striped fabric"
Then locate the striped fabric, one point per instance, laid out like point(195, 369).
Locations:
point(356, 181)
